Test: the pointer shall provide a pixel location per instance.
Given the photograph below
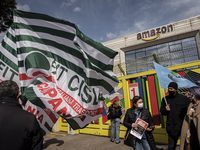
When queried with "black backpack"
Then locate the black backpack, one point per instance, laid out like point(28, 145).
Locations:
point(114, 113)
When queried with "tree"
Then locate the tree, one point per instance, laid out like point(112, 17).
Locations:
point(6, 14)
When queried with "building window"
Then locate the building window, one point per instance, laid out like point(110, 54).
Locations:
point(171, 53)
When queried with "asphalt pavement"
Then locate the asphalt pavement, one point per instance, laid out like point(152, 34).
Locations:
point(64, 141)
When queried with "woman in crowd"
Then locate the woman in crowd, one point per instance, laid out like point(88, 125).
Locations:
point(115, 114)
point(190, 133)
point(137, 111)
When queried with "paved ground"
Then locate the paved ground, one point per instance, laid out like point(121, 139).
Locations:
point(64, 141)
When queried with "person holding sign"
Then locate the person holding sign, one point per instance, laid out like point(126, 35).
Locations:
point(132, 115)
point(174, 106)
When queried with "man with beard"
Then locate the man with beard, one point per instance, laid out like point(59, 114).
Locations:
point(175, 110)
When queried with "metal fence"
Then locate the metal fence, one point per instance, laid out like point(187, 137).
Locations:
point(146, 63)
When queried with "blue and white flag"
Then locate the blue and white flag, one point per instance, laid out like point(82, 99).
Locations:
point(165, 76)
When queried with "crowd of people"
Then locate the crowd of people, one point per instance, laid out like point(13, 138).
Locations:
point(183, 119)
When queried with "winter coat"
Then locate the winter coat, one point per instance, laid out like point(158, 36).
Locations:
point(19, 129)
point(196, 120)
point(145, 115)
point(178, 108)
point(114, 112)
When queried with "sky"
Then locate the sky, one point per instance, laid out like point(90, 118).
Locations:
point(105, 20)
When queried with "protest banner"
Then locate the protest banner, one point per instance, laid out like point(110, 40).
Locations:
point(57, 67)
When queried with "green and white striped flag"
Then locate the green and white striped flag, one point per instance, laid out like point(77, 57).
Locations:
point(57, 67)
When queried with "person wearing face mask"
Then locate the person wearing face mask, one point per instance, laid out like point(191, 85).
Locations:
point(137, 111)
point(175, 110)
point(190, 133)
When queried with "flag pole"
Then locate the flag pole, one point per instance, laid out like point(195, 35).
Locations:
point(163, 93)
point(164, 97)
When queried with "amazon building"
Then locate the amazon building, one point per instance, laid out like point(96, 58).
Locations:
point(171, 44)
point(175, 46)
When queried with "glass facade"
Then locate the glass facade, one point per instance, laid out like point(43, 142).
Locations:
point(171, 53)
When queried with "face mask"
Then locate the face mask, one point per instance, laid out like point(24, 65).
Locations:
point(140, 105)
point(171, 93)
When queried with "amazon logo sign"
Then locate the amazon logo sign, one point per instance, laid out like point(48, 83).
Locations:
point(154, 33)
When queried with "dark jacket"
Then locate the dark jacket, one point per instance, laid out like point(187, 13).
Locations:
point(19, 130)
point(145, 115)
point(114, 112)
point(178, 108)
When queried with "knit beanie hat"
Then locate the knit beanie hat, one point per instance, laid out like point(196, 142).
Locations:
point(174, 85)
